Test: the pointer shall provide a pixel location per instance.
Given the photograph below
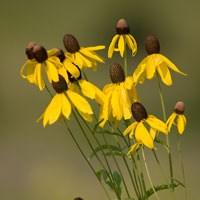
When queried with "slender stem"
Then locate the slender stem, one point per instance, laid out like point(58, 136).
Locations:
point(125, 62)
point(85, 158)
point(148, 174)
point(110, 175)
point(167, 137)
point(116, 163)
point(142, 176)
point(182, 167)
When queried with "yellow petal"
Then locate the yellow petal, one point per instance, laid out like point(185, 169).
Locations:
point(181, 123)
point(134, 148)
point(140, 73)
point(164, 73)
point(170, 120)
point(86, 116)
point(171, 65)
point(115, 104)
point(63, 72)
point(131, 43)
point(71, 68)
point(121, 45)
point(66, 107)
point(150, 66)
point(52, 71)
point(53, 110)
point(157, 124)
point(112, 46)
point(95, 48)
point(79, 102)
point(142, 135)
point(38, 76)
point(130, 128)
point(28, 69)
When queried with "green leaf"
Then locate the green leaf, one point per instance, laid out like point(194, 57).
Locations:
point(110, 148)
point(96, 126)
point(117, 178)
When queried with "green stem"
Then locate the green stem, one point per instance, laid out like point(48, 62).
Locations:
point(148, 174)
point(167, 137)
point(142, 176)
point(182, 167)
point(85, 158)
point(125, 62)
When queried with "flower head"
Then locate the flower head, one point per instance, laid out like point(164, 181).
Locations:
point(123, 37)
point(138, 129)
point(39, 59)
point(154, 63)
point(61, 104)
point(84, 57)
point(177, 118)
point(120, 94)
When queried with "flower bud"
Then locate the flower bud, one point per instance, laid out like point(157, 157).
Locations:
point(60, 86)
point(139, 112)
point(71, 43)
point(122, 27)
point(117, 73)
point(152, 45)
point(29, 50)
point(179, 107)
point(60, 54)
point(39, 53)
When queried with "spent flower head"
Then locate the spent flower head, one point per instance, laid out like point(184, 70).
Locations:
point(154, 63)
point(122, 39)
point(84, 57)
point(177, 118)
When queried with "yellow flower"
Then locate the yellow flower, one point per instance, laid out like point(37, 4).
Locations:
point(84, 57)
point(120, 94)
point(39, 58)
point(138, 128)
point(179, 117)
point(61, 104)
point(123, 37)
point(154, 63)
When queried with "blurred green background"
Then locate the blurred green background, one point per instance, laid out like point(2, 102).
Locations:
point(43, 163)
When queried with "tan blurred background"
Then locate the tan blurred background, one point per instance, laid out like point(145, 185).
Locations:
point(44, 164)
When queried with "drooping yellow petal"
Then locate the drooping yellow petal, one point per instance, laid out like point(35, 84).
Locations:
point(112, 46)
point(79, 102)
point(63, 72)
point(66, 107)
point(140, 72)
point(142, 135)
point(170, 120)
point(52, 71)
point(121, 45)
point(71, 68)
point(52, 52)
point(164, 73)
point(171, 65)
point(84, 61)
point(86, 116)
point(131, 43)
point(130, 128)
point(115, 104)
point(96, 48)
point(150, 66)
point(157, 124)
point(181, 123)
point(53, 110)
point(134, 148)
point(38, 76)
point(91, 55)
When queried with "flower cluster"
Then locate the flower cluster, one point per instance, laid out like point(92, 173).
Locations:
point(121, 111)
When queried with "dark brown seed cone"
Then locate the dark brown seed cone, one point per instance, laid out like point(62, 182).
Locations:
point(78, 198)
point(71, 43)
point(122, 27)
point(139, 112)
point(152, 45)
point(179, 108)
point(60, 54)
point(116, 73)
point(29, 50)
point(60, 86)
point(40, 53)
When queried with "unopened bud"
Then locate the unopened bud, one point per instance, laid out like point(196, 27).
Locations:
point(117, 73)
point(152, 45)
